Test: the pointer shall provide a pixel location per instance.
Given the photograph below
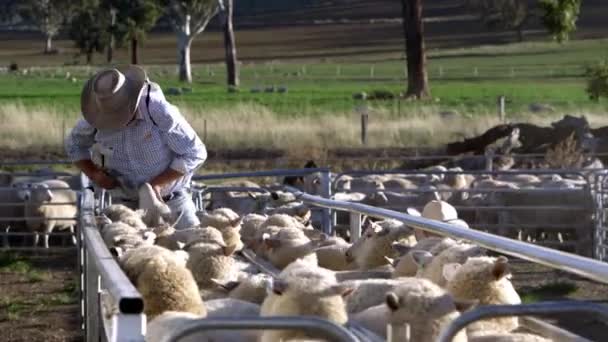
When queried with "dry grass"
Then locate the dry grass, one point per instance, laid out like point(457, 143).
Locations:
point(254, 126)
point(565, 155)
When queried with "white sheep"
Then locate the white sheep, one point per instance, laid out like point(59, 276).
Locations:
point(290, 244)
point(424, 306)
point(484, 279)
point(209, 257)
point(43, 215)
point(407, 264)
point(297, 210)
point(251, 223)
point(506, 337)
point(432, 268)
point(368, 293)
point(302, 289)
point(248, 288)
point(333, 257)
point(226, 221)
point(122, 213)
point(375, 244)
point(155, 210)
point(163, 281)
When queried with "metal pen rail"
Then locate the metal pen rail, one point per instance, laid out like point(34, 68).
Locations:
point(585, 267)
point(327, 329)
point(535, 309)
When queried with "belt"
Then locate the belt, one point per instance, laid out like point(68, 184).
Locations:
point(173, 195)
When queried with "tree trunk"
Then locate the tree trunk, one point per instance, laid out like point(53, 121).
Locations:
point(49, 44)
point(89, 57)
point(134, 57)
point(230, 45)
point(110, 53)
point(183, 57)
point(417, 80)
point(520, 34)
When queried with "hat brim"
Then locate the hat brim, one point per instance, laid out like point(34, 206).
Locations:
point(135, 78)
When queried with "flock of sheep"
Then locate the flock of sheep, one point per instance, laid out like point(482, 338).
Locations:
point(391, 275)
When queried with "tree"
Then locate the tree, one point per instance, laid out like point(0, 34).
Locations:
point(502, 14)
point(48, 15)
point(560, 17)
point(230, 45)
point(133, 19)
point(88, 30)
point(189, 18)
point(417, 79)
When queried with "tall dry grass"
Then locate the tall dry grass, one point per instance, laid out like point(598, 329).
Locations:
point(255, 126)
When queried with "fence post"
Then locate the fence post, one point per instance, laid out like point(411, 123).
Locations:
point(338, 71)
point(501, 108)
point(398, 333)
point(355, 226)
point(205, 130)
point(326, 193)
point(489, 159)
point(440, 71)
point(371, 71)
point(475, 72)
point(364, 120)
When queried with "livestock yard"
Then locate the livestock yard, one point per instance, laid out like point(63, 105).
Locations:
point(333, 204)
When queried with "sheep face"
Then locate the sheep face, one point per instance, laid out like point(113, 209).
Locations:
point(375, 245)
point(485, 279)
point(424, 306)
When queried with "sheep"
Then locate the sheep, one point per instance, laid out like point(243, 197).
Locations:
point(333, 257)
point(210, 258)
point(163, 281)
point(368, 293)
point(306, 290)
point(231, 307)
point(484, 279)
point(288, 245)
point(283, 220)
point(42, 216)
point(131, 260)
point(407, 265)
point(433, 269)
point(226, 221)
point(121, 235)
point(424, 306)
point(297, 210)
point(173, 239)
point(248, 288)
point(122, 213)
point(156, 211)
point(375, 244)
point(251, 223)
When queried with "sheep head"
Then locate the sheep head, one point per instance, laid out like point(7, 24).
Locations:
point(153, 206)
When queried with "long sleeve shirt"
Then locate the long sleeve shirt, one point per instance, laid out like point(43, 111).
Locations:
point(158, 138)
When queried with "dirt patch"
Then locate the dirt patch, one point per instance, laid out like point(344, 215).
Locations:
point(39, 298)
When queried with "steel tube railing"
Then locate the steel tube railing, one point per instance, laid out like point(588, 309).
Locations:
point(322, 327)
point(535, 309)
point(270, 173)
point(584, 267)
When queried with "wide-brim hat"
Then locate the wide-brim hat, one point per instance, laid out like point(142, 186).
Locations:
point(109, 98)
point(440, 211)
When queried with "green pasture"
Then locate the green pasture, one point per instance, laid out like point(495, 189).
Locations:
point(466, 80)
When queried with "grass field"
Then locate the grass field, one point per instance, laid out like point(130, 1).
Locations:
point(318, 110)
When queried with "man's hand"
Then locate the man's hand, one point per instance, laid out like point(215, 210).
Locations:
point(166, 177)
point(104, 180)
point(97, 175)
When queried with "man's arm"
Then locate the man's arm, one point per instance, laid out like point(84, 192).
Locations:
point(77, 147)
point(181, 139)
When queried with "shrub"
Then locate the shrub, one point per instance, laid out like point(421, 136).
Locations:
point(597, 80)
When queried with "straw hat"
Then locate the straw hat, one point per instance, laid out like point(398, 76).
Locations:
point(439, 211)
point(109, 99)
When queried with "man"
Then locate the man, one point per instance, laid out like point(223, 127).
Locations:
point(131, 135)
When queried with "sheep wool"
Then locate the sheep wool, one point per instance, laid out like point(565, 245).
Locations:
point(122, 213)
point(484, 279)
point(302, 289)
point(167, 286)
point(226, 221)
point(209, 257)
point(458, 253)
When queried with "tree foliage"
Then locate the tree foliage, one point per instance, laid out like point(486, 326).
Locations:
point(501, 14)
point(133, 18)
point(560, 16)
point(88, 30)
point(597, 80)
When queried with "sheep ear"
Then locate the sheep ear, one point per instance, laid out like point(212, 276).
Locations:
point(116, 252)
point(391, 261)
point(278, 286)
point(235, 222)
point(400, 249)
point(337, 290)
point(228, 286)
point(383, 231)
point(275, 196)
point(449, 270)
point(181, 245)
point(422, 258)
point(392, 301)
point(465, 305)
point(501, 268)
point(229, 250)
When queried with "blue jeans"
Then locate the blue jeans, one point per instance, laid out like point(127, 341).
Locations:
point(184, 205)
